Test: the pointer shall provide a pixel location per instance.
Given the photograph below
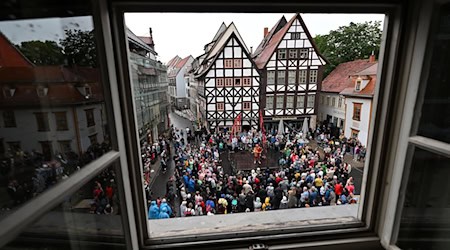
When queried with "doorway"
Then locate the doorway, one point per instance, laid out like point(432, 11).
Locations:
point(46, 150)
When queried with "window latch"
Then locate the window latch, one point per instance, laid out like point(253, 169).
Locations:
point(258, 247)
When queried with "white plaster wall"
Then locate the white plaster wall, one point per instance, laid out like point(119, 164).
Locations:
point(334, 111)
point(28, 135)
point(363, 125)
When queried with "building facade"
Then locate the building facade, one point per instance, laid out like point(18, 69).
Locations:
point(292, 68)
point(177, 69)
point(49, 109)
point(228, 81)
point(149, 82)
point(358, 103)
point(331, 102)
point(193, 96)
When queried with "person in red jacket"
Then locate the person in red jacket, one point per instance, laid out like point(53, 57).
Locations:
point(338, 189)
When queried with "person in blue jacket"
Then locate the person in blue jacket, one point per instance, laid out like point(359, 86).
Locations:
point(191, 185)
point(164, 214)
point(166, 207)
point(153, 211)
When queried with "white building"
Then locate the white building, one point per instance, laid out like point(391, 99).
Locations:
point(331, 102)
point(177, 69)
point(228, 81)
point(358, 103)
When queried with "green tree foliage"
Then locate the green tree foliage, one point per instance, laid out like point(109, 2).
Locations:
point(42, 53)
point(348, 43)
point(79, 48)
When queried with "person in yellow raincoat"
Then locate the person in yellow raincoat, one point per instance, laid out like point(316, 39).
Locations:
point(266, 205)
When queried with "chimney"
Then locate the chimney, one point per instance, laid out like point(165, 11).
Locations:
point(266, 31)
point(150, 31)
point(372, 57)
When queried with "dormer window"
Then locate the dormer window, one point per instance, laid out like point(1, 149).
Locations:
point(87, 91)
point(8, 92)
point(358, 84)
point(42, 91)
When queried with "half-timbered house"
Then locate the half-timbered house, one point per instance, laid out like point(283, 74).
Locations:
point(292, 68)
point(230, 80)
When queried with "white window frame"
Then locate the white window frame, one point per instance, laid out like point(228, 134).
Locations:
point(282, 54)
point(302, 75)
point(304, 53)
point(313, 75)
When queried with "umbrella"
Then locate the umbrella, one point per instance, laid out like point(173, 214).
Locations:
point(281, 127)
point(305, 128)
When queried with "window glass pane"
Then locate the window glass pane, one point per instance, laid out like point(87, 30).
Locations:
point(435, 112)
point(214, 141)
point(313, 76)
point(280, 101)
point(92, 213)
point(281, 77)
point(291, 76)
point(302, 76)
point(52, 103)
point(427, 203)
point(311, 99)
point(290, 101)
point(269, 102)
point(301, 101)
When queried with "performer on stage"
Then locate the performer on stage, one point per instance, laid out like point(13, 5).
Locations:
point(257, 150)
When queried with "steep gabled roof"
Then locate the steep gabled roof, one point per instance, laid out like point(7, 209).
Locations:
point(172, 62)
point(219, 33)
point(218, 46)
point(265, 55)
point(137, 41)
point(147, 40)
point(231, 29)
point(175, 69)
point(10, 56)
point(338, 79)
point(279, 25)
point(370, 71)
point(368, 90)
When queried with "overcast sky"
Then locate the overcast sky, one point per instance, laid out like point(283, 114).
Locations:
point(185, 34)
point(180, 34)
point(43, 29)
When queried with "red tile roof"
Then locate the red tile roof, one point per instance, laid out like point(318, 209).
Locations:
point(280, 24)
point(262, 59)
point(173, 61)
point(177, 67)
point(10, 56)
point(338, 79)
point(147, 40)
point(369, 73)
point(61, 82)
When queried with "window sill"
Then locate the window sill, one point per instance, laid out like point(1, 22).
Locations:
point(165, 230)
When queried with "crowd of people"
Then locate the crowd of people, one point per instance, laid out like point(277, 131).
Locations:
point(305, 176)
point(28, 174)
